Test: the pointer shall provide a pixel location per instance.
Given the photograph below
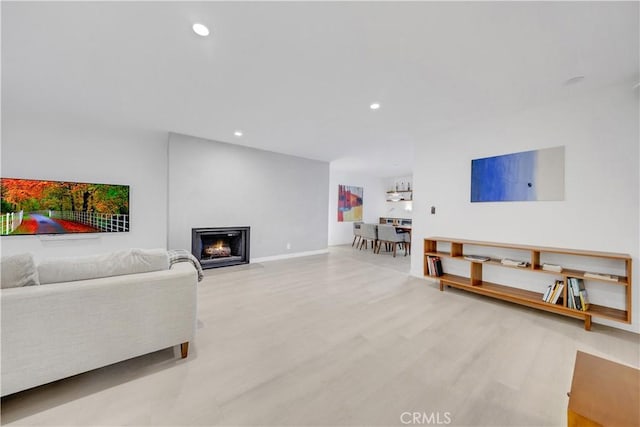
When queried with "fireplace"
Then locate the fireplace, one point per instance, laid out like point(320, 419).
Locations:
point(220, 247)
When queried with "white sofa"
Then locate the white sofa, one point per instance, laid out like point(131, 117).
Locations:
point(56, 330)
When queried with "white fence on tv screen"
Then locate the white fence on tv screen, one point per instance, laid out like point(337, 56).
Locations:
point(10, 221)
point(101, 221)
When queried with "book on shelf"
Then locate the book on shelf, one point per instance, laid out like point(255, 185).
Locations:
point(434, 266)
point(571, 302)
point(584, 299)
point(552, 290)
point(476, 258)
point(579, 292)
point(575, 292)
point(552, 267)
point(601, 276)
point(513, 263)
point(437, 263)
point(558, 293)
point(553, 294)
point(547, 295)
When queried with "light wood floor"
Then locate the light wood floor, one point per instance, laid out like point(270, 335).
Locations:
point(346, 338)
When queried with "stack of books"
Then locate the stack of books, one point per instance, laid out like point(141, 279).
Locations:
point(601, 276)
point(434, 266)
point(514, 263)
point(553, 292)
point(552, 267)
point(577, 294)
point(476, 258)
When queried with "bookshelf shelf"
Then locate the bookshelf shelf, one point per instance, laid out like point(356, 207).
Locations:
point(474, 282)
point(608, 313)
point(440, 254)
point(399, 195)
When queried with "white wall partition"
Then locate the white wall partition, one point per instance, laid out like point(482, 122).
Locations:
point(373, 206)
point(399, 209)
point(282, 198)
point(43, 148)
point(600, 133)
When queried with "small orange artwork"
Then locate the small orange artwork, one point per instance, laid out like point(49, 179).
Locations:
point(349, 203)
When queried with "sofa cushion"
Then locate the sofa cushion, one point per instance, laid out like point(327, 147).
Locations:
point(18, 270)
point(129, 261)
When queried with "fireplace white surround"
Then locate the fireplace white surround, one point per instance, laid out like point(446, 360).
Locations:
point(282, 198)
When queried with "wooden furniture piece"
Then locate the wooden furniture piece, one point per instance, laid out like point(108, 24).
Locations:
point(396, 221)
point(603, 393)
point(475, 283)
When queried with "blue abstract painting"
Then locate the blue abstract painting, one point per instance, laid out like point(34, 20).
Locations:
point(525, 176)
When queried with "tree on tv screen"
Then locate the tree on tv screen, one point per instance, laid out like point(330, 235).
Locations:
point(31, 195)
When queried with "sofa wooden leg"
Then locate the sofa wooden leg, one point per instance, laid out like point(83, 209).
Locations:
point(184, 349)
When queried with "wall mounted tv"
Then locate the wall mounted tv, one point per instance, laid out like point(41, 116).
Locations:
point(31, 206)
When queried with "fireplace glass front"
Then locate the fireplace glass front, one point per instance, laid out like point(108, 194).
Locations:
point(220, 247)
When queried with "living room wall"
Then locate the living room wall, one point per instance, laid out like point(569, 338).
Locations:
point(600, 133)
point(282, 198)
point(373, 206)
point(72, 150)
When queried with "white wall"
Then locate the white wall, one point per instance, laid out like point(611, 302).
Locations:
point(401, 182)
point(374, 205)
point(76, 151)
point(601, 206)
point(282, 198)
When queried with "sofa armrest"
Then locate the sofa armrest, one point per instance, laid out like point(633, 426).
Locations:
point(185, 266)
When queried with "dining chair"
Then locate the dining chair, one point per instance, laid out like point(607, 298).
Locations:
point(406, 237)
point(357, 232)
point(388, 234)
point(369, 232)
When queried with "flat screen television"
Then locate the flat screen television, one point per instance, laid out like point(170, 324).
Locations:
point(30, 206)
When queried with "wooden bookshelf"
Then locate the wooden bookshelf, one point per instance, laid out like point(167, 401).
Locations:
point(475, 283)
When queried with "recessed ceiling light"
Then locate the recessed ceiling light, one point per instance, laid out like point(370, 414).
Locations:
point(374, 106)
point(238, 133)
point(574, 80)
point(200, 30)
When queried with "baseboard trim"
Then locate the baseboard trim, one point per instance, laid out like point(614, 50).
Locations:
point(292, 255)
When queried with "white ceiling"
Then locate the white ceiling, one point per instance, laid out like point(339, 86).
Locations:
point(298, 77)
